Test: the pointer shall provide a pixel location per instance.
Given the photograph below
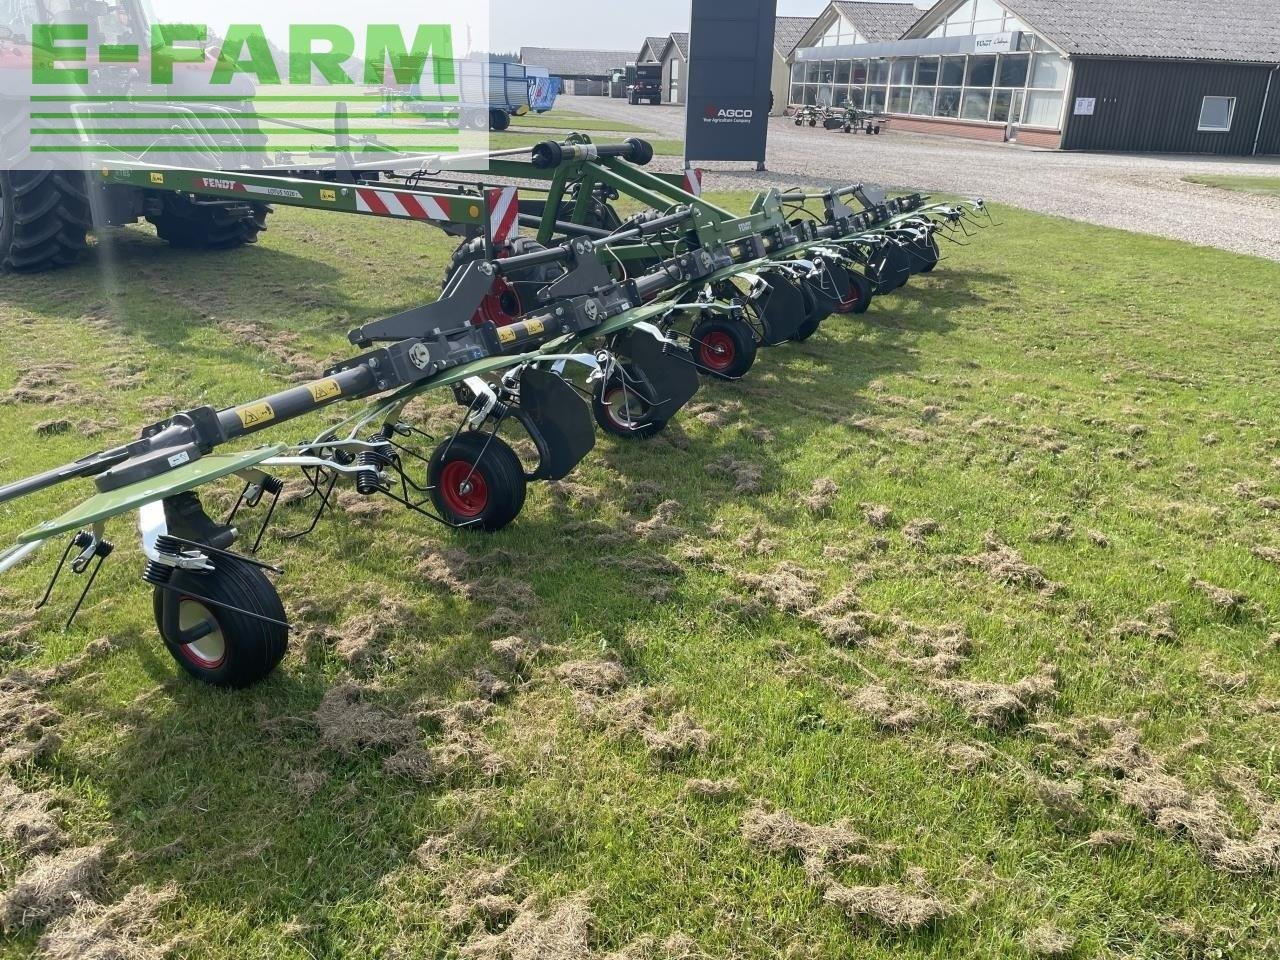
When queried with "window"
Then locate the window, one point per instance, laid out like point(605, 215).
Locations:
point(797, 72)
point(952, 74)
point(1006, 106)
point(875, 100)
point(878, 72)
point(1216, 114)
point(1013, 70)
point(827, 72)
point(1044, 108)
point(926, 71)
point(843, 68)
point(856, 96)
point(976, 104)
point(982, 72)
point(841, 97)
point(948, 102)
point(903, 70)
point(900, 100)
point(811, 71)
point(1049, 72)
point(859, 71)
point(963, 15)
point(922, 102)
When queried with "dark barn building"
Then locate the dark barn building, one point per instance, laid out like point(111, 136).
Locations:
point(1183, 76)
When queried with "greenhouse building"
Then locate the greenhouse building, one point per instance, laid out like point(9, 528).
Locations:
point(1155, 75)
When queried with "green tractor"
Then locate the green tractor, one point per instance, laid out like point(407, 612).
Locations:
point(46, 215)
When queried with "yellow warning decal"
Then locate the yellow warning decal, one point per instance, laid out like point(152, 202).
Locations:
point(157, 178)
point(255, 415)
point(506, 335)
point(329, 196)
point(324, 390)
point(535, 327)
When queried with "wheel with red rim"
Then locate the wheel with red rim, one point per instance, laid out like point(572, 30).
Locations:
point(620, 406)
point(477, 482)
point(723, 349)
point(860, 294)
point(232, 619)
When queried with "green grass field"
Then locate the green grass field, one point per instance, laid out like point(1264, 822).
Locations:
point(1266, 186)
point(951, 633)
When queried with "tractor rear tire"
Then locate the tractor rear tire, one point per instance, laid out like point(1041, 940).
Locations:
point(44, 219)
point(193, 226)
point(240, 650)
point(499, 120)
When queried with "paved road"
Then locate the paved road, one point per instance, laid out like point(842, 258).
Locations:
point(1140, 192)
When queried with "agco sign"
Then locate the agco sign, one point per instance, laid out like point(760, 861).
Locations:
point(714, 114)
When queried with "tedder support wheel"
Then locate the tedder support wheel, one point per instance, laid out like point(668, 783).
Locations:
point(205, 226)
point(860, 294)
point(477, 481)
point(723, 349)
point(231, 648)
point(499, 120)
point(620, 408)
point(44, 218)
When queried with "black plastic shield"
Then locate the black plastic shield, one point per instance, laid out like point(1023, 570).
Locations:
point(782, 308)
point(830, 287)
point(670, 371)
point(559, 423)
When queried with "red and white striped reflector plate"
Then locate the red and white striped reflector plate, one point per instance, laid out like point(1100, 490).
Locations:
point(390, 203)
point(504, 214)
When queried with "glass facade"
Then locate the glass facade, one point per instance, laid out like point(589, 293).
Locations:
point(1026, 86)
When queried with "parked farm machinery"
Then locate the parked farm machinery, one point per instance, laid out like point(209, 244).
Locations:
point(848, 118)
point(595, 316)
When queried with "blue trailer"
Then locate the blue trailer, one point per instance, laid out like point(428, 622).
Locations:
point(494, 91)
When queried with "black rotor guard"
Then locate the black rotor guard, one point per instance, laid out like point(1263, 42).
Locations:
point(670, 371)
point(558, 422)
point(782, 308)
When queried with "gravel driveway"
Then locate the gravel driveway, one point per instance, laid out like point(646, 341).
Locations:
point(1140, 192)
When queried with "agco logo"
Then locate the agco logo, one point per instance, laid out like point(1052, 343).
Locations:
point(714, 114)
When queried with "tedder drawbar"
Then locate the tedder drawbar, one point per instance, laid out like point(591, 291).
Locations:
point(585, 318)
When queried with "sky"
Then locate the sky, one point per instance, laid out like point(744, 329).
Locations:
point(601, 24)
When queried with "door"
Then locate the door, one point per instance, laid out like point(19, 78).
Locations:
point(673, 95)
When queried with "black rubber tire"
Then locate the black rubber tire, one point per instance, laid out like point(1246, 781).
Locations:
point(602, 407)
point(192, 226)
point(738, 348)
point(253, 648)
point(865, 291)
point(499, 120)
point(44, 219)
point(497, 467)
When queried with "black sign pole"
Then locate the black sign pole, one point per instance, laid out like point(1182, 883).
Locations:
point(730, 74)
